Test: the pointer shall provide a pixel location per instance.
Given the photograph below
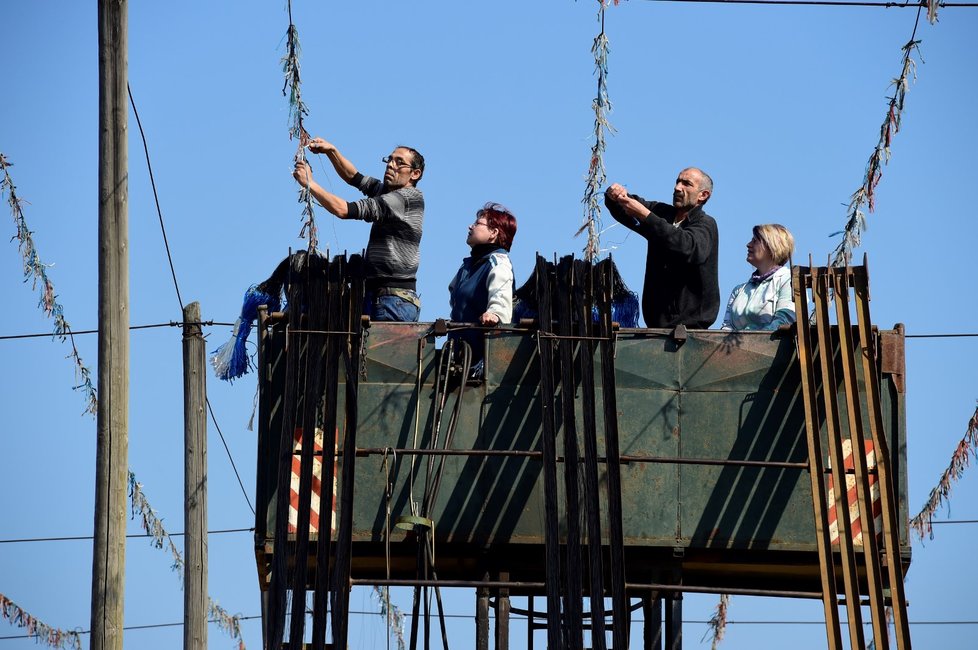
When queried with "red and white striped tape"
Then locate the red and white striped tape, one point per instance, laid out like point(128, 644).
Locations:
point(851, 496)
point(317, 473)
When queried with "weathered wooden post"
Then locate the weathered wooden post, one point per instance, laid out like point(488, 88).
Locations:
point(112, 450)
point(194, 482)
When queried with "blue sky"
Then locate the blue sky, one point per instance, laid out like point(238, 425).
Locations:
point(781, 105)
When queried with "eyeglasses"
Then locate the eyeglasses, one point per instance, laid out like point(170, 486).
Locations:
point(480, 223)
point(399, 163)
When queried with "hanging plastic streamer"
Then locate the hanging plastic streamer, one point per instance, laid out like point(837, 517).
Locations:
point(866, 194)
point(922, 522)
point(718, 622)
point(153, 526)
point(41, 631)
point(36, 272)
point(596, 172)
point(297, 111)
point(231, 359)
point(392, 615)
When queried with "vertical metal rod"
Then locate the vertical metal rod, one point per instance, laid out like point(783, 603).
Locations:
point(312, 382)
point(616, 544)
point(482, 617)
point(820, 289)
point(573, 592)
point(583, 294)
point(344, 537)
point(502, 614)
point(652, 626)
point(826, 560)
point(195, 611)
point(864, 497)
point(530, 619)
point(338, 308)
point(891, 539)
point(279, 584)
point(549, 443)
point(674, 622)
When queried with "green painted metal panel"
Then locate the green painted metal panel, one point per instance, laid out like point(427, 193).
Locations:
point(716, 395)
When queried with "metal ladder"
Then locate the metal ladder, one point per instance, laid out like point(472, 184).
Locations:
point(824, 352)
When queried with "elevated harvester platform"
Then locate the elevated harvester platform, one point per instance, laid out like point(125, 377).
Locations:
point(690, 454)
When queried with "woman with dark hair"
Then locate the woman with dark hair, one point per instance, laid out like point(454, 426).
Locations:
point(765, 302)
point(482, 290)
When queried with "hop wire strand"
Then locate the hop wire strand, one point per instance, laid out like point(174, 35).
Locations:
point(41, 631)
point(160, 538)
point(392, 615)
point(922, 522)
point(297, 131)
point(718, 622)
point(866, 194)
point(35, 271)
point(596, 176)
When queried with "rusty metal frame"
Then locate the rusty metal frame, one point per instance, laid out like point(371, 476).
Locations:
point(833, 284)
point(840, 277)
point(891, 538)
point(801, 283)
point(826, 357)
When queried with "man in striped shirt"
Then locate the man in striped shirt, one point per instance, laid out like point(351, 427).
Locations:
point(394, 208)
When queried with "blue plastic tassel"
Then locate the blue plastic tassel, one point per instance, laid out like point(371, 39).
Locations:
point(231, 360)
point(624, 309)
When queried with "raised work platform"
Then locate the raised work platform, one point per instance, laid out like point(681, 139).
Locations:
point(719, 398)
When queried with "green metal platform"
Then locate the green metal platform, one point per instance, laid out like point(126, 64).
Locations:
point(715, 397)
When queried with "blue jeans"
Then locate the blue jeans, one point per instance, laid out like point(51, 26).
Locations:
point(390, 308)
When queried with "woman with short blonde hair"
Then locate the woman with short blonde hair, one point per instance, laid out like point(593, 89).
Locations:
point(765, 302)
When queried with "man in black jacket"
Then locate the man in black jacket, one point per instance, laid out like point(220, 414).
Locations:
point(681, 281)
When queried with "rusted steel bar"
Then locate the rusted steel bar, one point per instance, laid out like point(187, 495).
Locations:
point(503, 609)
point(820, 291)
point(517, 585)
point(324, 546)
point(652, 628)
point(583, 295)
point(329, 332)
point(826, 560)
point(573, 605)
point(616, 536)
point(549, 443)
point(482, 618)
point(275, 622)
point(625, 458)
point(864, 499)
point(312, 377)
point(891, 538)
point(344, 538)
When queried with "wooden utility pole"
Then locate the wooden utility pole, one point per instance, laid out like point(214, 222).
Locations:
point(194, 482)
point(112, 455)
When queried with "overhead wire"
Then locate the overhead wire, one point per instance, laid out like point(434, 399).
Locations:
point(150, 626)
point(172, 323)
point(823, 3)
point(176, 286)
point(81, 538)
point(211, 323)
